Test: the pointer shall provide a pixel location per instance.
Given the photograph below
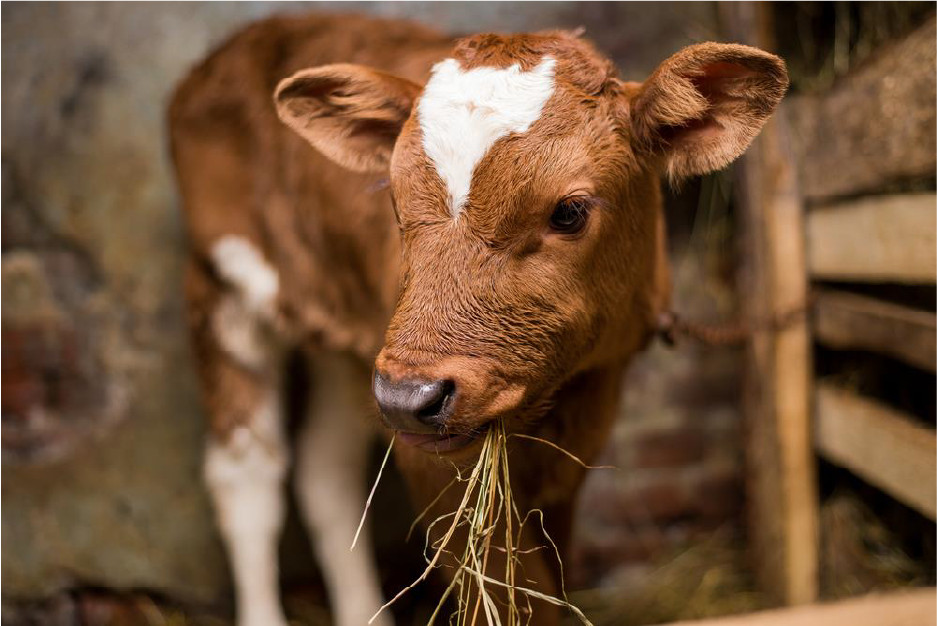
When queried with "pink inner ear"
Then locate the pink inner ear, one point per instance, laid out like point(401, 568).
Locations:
point(696, 131)
point(719, 82)
point(725, 69)
point(710, 81)
point(711, 84)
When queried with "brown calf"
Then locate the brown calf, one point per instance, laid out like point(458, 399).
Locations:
point(509, 270)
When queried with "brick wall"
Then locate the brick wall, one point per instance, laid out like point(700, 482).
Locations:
point(678, 443)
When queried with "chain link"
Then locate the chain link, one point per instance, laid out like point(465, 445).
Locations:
point(674, 330)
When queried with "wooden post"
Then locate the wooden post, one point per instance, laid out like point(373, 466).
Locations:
point(782, 494)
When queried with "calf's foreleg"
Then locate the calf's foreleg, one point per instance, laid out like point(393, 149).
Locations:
point(330, 483)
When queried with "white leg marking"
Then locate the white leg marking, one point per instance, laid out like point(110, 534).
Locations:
point(242, 265)
point(330, 484)
point(245, 480)
point(463, 113)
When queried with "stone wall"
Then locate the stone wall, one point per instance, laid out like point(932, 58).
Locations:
point(102, 428)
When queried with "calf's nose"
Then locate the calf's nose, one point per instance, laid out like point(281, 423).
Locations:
point(414, 405)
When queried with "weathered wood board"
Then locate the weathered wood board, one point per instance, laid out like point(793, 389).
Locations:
point(884, 447)
point(878, 125)
point(875, 239)
point(850, 321)
point(904, 608)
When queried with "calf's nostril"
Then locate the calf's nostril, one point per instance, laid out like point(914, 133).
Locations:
point(433, 413)
point(413, 404)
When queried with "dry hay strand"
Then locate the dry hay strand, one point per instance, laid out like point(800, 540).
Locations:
point(487, 505)
point(859, 553)
point(706, 579)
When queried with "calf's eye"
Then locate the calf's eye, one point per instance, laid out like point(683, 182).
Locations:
point(570, 216)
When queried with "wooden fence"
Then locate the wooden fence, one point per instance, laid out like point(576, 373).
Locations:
point(813, 210)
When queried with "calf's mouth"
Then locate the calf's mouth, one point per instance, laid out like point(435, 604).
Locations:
point(440, 443)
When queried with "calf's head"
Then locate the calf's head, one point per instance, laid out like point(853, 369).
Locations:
point(525, 179)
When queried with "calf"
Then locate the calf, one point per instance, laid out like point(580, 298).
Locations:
point(479, 219)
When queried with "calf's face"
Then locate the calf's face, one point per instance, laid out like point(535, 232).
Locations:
point(524, 177)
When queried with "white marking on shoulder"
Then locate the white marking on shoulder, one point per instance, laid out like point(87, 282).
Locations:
point(462, 114)
point(242, 265)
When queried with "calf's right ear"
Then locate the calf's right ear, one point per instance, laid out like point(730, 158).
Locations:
point(351, 113)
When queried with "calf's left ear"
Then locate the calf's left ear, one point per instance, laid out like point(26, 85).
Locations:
point(350, 113)
point(703, 106)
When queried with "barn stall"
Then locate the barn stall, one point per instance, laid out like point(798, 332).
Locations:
point(795, 466)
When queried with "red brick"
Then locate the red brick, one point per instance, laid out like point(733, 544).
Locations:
point(669, 448)
point(659, 500)
point(594, 557)
point(718, 496)
point(663, 500)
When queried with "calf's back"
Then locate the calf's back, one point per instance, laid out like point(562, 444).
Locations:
point(328, 233)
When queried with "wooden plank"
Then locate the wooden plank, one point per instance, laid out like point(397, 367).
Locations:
point(879, 444)
point(781, 485)
point(849, 321)
point(908, 607)
point(876, 238)
point(876, 126)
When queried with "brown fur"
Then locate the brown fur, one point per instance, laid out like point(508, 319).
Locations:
point(533, 326)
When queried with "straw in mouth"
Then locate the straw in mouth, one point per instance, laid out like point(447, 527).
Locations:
point(487, 504)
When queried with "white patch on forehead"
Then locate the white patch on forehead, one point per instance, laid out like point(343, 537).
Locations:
point(462, 114)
